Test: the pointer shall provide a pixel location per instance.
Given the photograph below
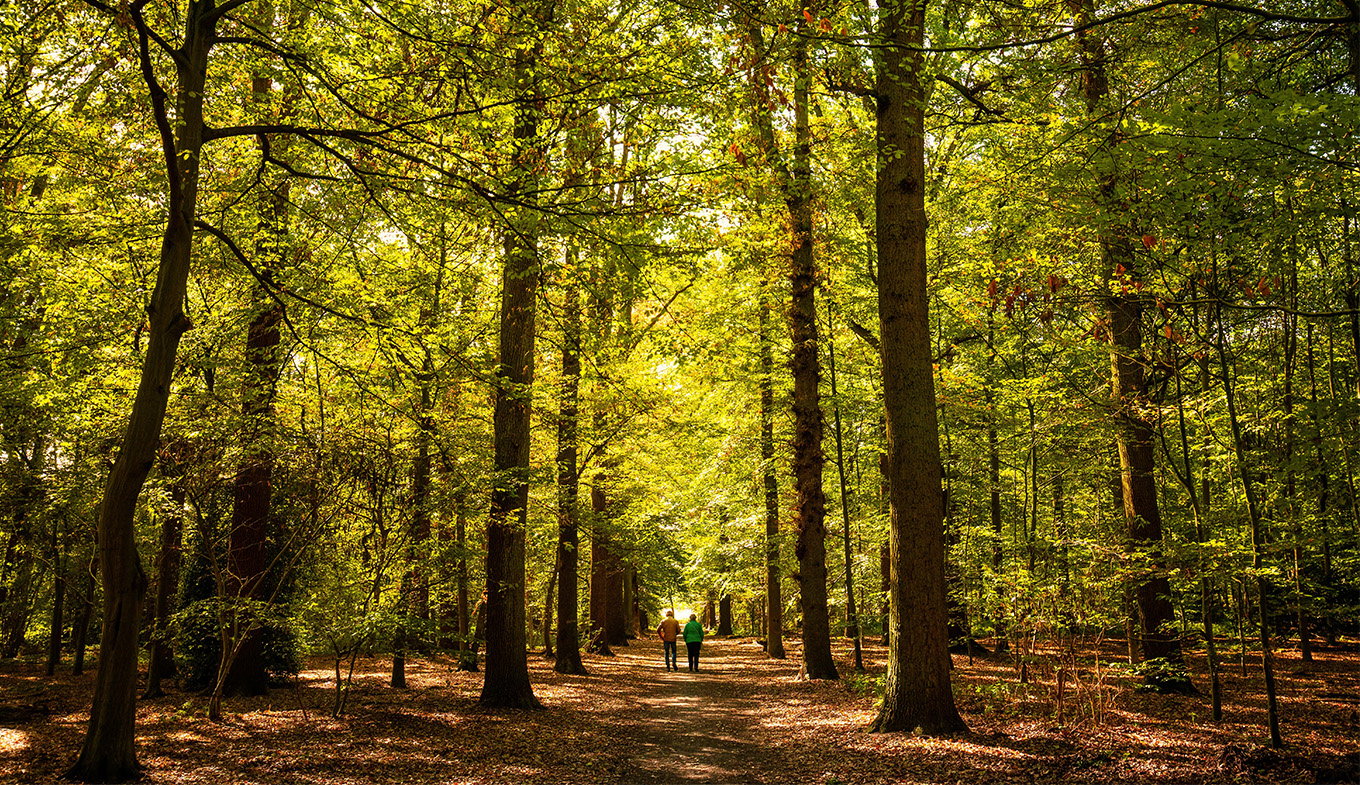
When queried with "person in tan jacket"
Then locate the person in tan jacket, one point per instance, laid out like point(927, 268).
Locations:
point(668, 631)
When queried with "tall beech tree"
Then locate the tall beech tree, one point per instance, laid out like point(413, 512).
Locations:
point(795, 187)
point(1123, 306)
point(769, 475)
point(568, 659)
point(108, 753)
point(917, 696)
point(507, 667)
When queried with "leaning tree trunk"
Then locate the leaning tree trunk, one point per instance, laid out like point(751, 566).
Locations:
point(917, 695)
point(108, 753)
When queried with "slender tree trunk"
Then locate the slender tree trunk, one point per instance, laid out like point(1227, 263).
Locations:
point(1322, 473)
point(58, 604)
point(851, 614)
point(774, 601)
point(167, 585)
point(1257, 530)
point(569, 482)
point(1199, 504)
point(82, 630)
point(1291, 511)
point(917, 695)
point(467, 654)
point(994, 481)
point(108, 753)
point(548, 596)
point(415, 590)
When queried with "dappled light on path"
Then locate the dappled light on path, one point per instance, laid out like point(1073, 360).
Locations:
point(742, 719)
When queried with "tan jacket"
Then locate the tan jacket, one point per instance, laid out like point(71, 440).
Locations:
point(669, 629)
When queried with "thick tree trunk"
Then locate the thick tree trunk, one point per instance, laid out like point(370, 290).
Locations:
point(248, 548)
point(108, 753)
point(809, 506)
point(507, 667)
point(725, 615)
point(917, 695)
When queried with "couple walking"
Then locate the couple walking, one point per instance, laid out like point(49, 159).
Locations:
point(693, 633)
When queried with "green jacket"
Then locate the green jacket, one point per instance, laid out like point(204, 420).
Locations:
point(694, 632)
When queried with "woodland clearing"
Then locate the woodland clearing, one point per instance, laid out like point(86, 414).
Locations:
point(744, 718)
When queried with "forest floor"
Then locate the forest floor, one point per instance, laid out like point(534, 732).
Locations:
point(742, 719)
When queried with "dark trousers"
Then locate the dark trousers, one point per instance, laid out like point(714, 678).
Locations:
point(670, 654)
point(692, 648)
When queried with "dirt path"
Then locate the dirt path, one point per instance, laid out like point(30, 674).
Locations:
point(742, 720)
point(697, 727)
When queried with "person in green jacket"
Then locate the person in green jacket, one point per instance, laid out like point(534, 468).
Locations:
point(694, 637)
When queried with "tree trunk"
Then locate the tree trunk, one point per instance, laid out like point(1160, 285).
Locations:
point(82, 631)
point(1321, 472)
point(1257, 530)
point(1123, 313)
point(507, 668)
point(167, 585)
point(108, 753)
point(725, 615)
point(994, 480)
point(851, 615)
point(917, 695)
point(809, 506)
point(774, 601)
point(248, 549)
point(467, 655)
point(58, 603)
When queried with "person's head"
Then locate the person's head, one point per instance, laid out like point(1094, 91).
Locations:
point(692, 617)
point(670, 613)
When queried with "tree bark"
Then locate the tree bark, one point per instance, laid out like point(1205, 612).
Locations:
point(507, 668)
point(82, 630)
point(167, 585)
point(917, 695)
point(774, 601)
point(851, 614)
point(1130, 400)
point(809, 506)
point(108, 753)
